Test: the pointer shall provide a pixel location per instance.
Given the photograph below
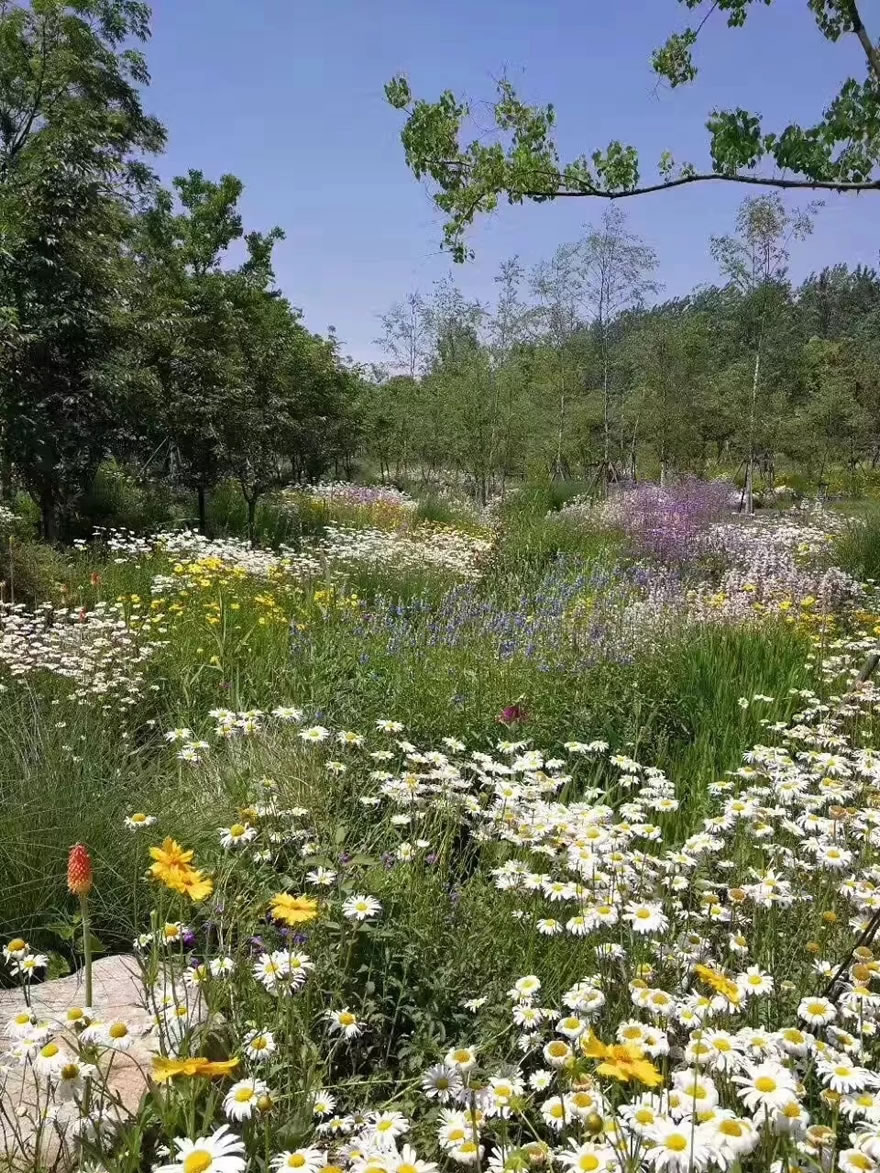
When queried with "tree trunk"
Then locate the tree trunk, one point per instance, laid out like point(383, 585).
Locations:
point(750, 458)
point(557, 464)
point(5, 475)
point(203, 524)
point(606, 426)
point(48, 516)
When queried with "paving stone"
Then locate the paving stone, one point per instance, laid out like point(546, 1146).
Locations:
point(117, 993)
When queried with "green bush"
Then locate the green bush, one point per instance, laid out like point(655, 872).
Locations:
point(30, 571)
point(858, 548)
point(227, 517)
point(118, 499)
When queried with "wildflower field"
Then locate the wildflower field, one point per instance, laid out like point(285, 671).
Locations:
point(532, 838)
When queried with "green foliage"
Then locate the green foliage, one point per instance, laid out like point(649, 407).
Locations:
point(228, 516)
point(119, 497)
point(72, 130)
point(839, 151)
point(29, 570)
point(858, 549)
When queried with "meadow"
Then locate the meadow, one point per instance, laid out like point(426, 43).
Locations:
point(537, 835)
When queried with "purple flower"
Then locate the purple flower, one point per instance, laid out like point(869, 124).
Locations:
point(512, 715)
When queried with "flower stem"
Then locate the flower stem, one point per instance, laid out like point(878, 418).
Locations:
point(87, 947)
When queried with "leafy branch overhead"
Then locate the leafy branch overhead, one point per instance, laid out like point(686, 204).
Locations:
point(839, 151)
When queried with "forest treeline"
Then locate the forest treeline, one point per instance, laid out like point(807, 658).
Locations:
point(581, 369)
point(143, 324)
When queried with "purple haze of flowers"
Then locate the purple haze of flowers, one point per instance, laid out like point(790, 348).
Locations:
point(663, 521)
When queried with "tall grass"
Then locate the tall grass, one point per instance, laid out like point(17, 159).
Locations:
point(858, 548)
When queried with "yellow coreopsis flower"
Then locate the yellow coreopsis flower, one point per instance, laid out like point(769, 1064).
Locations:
point(168, 1069)
point(624, 1063)
point(173, 869)
point(293, 910)
point(719, 983)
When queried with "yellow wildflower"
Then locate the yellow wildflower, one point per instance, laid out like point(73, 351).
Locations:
point(167, 1069)
point(293, 910)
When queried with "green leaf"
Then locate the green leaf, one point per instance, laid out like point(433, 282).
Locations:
point(63, 929)
point(58, 966)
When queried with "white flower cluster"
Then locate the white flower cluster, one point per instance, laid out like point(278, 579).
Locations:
point(95, 649)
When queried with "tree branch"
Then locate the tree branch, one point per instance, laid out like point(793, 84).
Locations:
point(871, 50)
point(666, 185)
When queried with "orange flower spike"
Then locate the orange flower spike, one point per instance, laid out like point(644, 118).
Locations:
point(79, 870)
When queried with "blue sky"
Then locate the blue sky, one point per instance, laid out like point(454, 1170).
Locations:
point(288, 95)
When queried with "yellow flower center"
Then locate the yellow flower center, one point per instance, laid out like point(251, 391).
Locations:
point(244, 1095)
point(197, 1161)
point(346, 1018)
point(843, 1071)
point(644, 1116)
point(557, 1048)
point(461, 1056)
point(588, 1162)
point(765, 1083)
point(556, 1111)
point(237, 829)
point(643, 914)
point(406, 1167)
point(138, 817)
point(675, 1142)
point(69, 1071)
point(22, 1019)
point(16, 945)
point(456, 1134)
point(731, 1128)
point(816, 1007)
point(118, 1030)
point(74, 1014)
point(258, 1044)
point(722, 1045)
point(49, 1051)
